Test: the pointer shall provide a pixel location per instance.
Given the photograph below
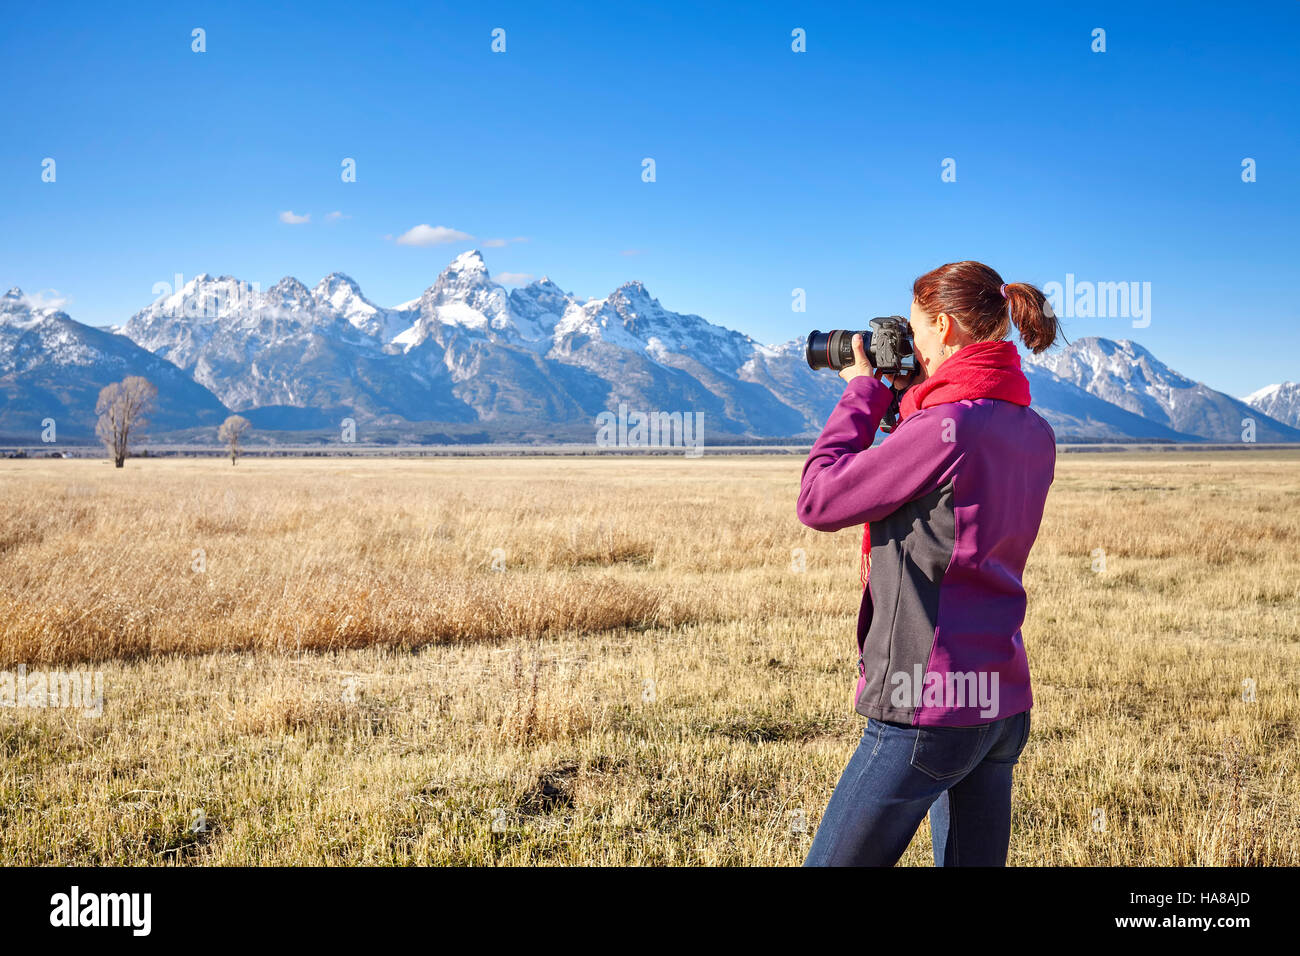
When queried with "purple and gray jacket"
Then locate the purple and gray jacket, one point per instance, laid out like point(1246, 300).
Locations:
point(954, 497)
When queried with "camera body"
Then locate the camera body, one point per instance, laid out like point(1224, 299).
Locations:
point(888, 345)
point(889, 348)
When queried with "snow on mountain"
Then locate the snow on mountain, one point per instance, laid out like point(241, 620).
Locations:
point(52, 366)
point(464, 296)
point(287, 346)
point(1266, 394)
point(1073, 413)
point(1127, 375)
point(1281, 401)
point(783, 371)
point(469, 350)
point(633, 319)
point(654, 358)
point(540, 306)
point(17, 314)
point(1076, 414)
point(342, 295)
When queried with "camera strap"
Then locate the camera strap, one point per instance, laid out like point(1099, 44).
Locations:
point(890, 421)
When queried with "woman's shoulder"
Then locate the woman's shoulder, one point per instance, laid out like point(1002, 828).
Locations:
point(967, 419)
point(935, 416)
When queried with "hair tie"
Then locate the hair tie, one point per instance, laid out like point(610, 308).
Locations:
point(1003, 290)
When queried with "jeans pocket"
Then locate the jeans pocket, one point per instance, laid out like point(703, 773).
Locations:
point(944, 752)
point(1024, 737)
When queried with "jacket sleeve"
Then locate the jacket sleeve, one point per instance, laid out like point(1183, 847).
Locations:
point(847, 482)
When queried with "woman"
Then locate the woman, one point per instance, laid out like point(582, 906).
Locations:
point(952, 501)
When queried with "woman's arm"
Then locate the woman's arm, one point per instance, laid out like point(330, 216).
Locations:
point(847, 482)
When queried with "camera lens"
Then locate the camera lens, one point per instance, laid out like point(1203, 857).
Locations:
point(833, 349)
point(816, 350)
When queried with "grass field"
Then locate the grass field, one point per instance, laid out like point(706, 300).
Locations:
point(609, 661)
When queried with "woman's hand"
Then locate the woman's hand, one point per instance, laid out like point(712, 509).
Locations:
point(861, 364)
point(905, 380)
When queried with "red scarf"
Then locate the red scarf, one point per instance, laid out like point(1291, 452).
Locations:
point(978, 370)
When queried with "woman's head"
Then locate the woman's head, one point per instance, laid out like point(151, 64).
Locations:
point(964, 302)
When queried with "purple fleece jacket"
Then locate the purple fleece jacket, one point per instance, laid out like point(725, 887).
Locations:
point(954, 497)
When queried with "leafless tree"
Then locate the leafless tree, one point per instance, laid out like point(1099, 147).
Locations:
point(231, 432)
point(121, 409)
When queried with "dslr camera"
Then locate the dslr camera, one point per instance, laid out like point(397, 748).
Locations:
point(888, 345)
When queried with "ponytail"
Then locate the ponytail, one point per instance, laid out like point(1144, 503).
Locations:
point(1032, 315)
point(985, 307)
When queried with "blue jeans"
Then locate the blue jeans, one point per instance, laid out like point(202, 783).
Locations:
point(960, 775)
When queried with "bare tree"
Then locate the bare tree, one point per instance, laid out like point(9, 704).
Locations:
point(232, 432)
point(121, 409)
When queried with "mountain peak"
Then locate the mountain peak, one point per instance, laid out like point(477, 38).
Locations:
point(290, 290)
point(1120, 349)
point(17, 312)
point(633, 300)
point(1126, 374)
point(335, 282)
point(15, 308)
point(545, 286)
point(464, 277)
point(471, 261)
point(341, 293)
point(1280, 401)
point(1133, 348)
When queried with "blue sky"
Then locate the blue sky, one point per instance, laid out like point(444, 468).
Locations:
point(775, 170)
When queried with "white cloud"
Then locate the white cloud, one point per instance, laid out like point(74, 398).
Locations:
point(336, 216)
point(426, 235)
point(513, 278)
point(46, 299)
point(498, 243)
point(293, 219)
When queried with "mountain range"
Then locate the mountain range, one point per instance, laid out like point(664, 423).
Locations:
point(1281, 402)
point(52, 367)
point(533, 361)
point(1128, 376)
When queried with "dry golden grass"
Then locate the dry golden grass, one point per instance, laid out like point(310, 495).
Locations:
point(319, 656)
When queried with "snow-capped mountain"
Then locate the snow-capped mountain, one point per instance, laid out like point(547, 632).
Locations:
point(52, 366)
point(341, 294)
point(542, 362)
point(653, 358)
point(1278, 401)
point(1074, 413)
point(468, 350)
point(465, 297)
point(633, 319)
point(291, 347)
point(1127, 375)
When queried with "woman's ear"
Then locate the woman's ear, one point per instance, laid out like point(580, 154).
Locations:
point(946, 328)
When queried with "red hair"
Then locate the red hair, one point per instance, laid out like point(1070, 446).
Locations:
point(976, 299)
